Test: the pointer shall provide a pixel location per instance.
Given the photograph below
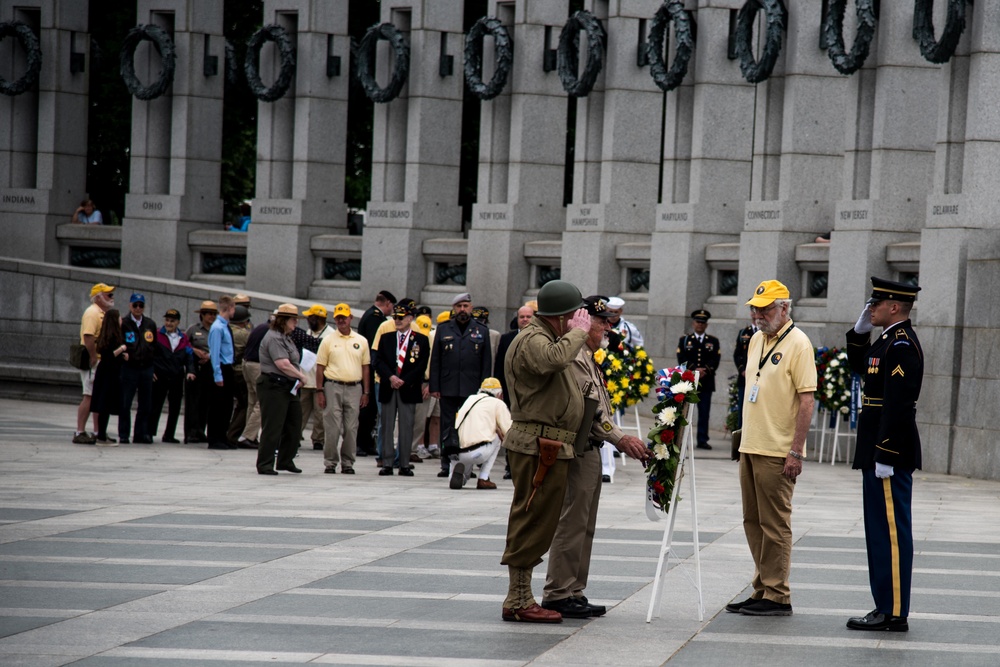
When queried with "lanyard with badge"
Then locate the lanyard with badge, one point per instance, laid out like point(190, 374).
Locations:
point(760, 364)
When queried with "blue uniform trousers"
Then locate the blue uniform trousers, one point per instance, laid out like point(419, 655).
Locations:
point(889, 537)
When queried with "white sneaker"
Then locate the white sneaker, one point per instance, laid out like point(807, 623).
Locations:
point(422, 452)
point(434, 451)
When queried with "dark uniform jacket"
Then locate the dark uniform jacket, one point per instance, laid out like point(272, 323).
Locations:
point(505, 340)
point(892, 369)
point(706, 354)
point(369, 323)
point(169, 363)
point(740, 354)
point(140, 341)
point(418, 351)
point(461, 360)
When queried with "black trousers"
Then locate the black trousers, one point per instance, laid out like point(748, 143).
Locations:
point(367, 420)
point(196, 394)
point(136, 381)
point(450, 405)
point(280, 424)
point(171, 391)
point(220, 408)
point(704, 410)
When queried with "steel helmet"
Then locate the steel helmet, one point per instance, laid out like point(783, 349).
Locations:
point(558, 297)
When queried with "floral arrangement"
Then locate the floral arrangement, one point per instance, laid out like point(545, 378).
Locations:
point(675, 390)
point(833, 382)
point(628, 374)
point(733, 415)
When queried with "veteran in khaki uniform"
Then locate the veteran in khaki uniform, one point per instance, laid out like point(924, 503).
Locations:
point(569, 556)
point(547, 408)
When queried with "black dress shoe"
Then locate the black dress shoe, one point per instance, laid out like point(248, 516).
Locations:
point(704, 445)
point(875, 620)
point(218, 445)
point(318, 446)
point(765, 607)
point(267, 472)
point(247, 444)
point(444, 473)
point(385, 472)
point(346, 471)
point(606, 479)
point(124, 441)
point(193, 439)
point(406, 472)
point(170, 441)
point(734, 607)
point(291, 467)
point(144, 440)
point(330, 471)
point(595, 609)
point(568, 607)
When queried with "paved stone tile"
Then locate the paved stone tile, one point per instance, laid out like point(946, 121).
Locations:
point(108, 572)
point(64, 597)
point(55, 548)
point(15, 514)
point(12, 625)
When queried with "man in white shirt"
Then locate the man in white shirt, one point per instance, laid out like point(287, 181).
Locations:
point(483, 421)
point(627, 332)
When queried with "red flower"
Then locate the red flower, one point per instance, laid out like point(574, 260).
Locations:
point(666, 436)
point(687, 375)
point(658, 487)
point(678, 398)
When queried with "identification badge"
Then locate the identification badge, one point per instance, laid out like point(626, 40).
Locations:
point(753, 393)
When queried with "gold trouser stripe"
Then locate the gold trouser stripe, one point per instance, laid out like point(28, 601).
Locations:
point(890, 515)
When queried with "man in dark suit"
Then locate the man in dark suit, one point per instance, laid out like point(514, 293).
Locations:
point(367, 326)
point(401, 360)
point(701, 353)
point(888, 451)
point(524, 315)
point(461, 361)
point(137, 371)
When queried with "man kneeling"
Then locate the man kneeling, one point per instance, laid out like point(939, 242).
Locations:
point(483, 421)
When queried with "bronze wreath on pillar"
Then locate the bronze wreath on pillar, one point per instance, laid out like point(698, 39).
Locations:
point(569, 53)
point(833, 29)
point(686, 32)
point(777, 19)
point(503, 48)
point(29, 41)
point(286, 51)
point(164, 45)
point(942, 50)
point(366, 60)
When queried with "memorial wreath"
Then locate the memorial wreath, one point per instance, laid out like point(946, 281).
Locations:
point(628, 374)
point(29, 41)
point(675, 390)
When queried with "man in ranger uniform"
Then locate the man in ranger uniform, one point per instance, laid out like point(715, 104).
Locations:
point(547, 409)
point(701, 353)
point(888, 450)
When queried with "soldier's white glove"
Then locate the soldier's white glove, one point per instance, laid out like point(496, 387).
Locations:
point(864, 324)
point(882, 471)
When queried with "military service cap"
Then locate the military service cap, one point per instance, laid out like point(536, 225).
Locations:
point(887, 290)
point(701, 315)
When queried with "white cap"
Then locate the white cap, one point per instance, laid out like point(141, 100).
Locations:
point(616, 302)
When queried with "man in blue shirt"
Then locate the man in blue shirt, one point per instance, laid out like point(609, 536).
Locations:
point(220, 349)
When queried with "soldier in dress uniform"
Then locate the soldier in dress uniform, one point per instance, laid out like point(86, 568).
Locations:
point(888, 449)
point(701, 352)
point(740, 359)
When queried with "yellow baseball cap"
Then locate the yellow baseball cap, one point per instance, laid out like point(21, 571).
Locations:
point(342, 309)
point(490, 383)
point(424, 324)
point(101, 288)
point(315, 309)
point(444, 316)
point(767, 292)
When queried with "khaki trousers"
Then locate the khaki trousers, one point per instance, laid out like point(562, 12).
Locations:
point(767, 522)
point(530, 531)
point(569, 555)
point(343, 406)
point(251, 371)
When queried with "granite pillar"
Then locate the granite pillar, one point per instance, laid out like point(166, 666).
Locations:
point(416, 151)
point(301, 148)
point(176, 149)
point(43, 131)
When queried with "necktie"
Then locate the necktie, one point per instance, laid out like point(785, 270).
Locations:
point(401, 350)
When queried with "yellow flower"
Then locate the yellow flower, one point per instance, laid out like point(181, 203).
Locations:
point(612, 386)
point(619, 396)
point(616, 364)
point(649, 368)
point(624, 383)
point(600, 356)
point(640, 354)
point(636, 375)
point(644, 389)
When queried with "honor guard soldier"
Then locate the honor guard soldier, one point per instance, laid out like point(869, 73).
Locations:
point(701, 353)
point(740, 359)
point(888, 449)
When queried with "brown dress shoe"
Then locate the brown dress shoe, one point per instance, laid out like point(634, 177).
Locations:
point(532, 614)
point(485, 484)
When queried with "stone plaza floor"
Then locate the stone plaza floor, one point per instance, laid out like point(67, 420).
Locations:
point(178, 555)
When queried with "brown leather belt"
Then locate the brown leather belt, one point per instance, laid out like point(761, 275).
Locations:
point(545, 431)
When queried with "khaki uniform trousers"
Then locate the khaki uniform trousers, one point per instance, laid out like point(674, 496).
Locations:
point(251, 371)
point(343, 406)
point(530, 531)
point(569, 555)
point(767, 522)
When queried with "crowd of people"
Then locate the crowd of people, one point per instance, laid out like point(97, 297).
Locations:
point(405, 391)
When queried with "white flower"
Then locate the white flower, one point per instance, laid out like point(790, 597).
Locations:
point(667, 416)
point(845, 410)
point(661, 452)
point(682, 387)
point(834, 363)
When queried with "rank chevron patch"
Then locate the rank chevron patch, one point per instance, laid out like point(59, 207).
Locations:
point(898, 370)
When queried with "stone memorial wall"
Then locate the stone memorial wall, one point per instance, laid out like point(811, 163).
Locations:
point(678, 179)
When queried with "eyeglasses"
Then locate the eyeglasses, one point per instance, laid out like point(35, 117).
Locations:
point(761, 311)
point(399, 317)
point(138, 304)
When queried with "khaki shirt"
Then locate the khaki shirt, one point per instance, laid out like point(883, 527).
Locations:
point(543, 388)
point(586, 370)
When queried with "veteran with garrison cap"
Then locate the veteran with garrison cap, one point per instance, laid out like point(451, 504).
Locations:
point(701, 352)
point(547, 409)
point(888, 449)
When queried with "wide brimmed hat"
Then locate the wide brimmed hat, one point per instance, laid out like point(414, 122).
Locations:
point(287, 309)
point(208, 307)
